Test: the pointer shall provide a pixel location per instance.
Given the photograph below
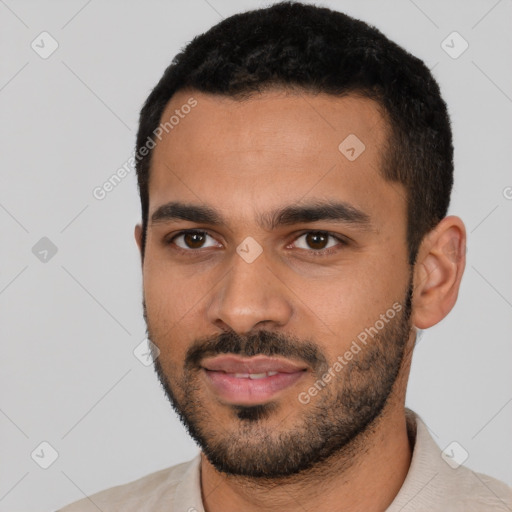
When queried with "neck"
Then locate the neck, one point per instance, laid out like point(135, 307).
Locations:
point(367, 479)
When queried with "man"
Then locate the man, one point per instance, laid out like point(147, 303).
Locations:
point(295, 169)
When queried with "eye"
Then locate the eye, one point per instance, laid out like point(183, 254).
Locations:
point(190, 240)
point(321, 242)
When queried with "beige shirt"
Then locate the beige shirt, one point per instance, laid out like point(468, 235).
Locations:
point(431, 485)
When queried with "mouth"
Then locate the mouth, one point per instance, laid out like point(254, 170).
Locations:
point(250, 381)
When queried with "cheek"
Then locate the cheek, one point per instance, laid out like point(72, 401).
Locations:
point(175, 305)
point(335, 312)
point(170, 292)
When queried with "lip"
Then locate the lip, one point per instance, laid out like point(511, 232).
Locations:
point(258, 364)
point(228, 377)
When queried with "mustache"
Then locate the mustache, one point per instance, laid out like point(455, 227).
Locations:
point(265, 343)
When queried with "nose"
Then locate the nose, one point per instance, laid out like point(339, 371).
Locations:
point(250, 296)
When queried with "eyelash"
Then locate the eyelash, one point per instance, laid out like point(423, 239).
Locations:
point(317, 253)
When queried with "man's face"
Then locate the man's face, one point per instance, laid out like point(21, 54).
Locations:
point(252, 292)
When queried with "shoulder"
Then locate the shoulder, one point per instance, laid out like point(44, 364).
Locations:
point(467, 490)
point(156, 489)
point(437, 483)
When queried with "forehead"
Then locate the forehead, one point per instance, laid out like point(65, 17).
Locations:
point(276, 120)
point(274, 147)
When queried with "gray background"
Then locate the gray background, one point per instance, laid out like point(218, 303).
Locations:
point(70, 323)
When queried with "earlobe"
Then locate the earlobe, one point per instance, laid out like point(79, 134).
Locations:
point(438, 272)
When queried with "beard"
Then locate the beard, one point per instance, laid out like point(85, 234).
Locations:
point(328, 426)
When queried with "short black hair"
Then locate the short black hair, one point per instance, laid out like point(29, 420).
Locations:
point(291, 45)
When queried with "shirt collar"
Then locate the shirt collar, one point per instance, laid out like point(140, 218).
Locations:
point(187, 497)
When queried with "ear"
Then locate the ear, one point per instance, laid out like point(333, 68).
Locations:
point(438, 272)
point(138, 237)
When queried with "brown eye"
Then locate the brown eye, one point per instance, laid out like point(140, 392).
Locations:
point(317, 240)
point(193, 240)
point(189, 240)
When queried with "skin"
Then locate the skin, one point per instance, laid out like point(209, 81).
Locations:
point(246, 158)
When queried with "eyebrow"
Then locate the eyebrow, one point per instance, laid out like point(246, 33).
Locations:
point(315, 211)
